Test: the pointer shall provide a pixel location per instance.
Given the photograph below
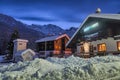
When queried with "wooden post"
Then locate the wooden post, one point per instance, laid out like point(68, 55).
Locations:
point(45, 47)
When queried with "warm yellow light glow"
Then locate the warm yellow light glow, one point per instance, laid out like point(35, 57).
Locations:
point(118, 45)
point(119, 48)
point(86, 47)
point(59, 47)
point(56, 46)
point(102, 47)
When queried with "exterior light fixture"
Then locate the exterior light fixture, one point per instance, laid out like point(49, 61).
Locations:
point(92, 26)
point(95, 25)
point(86, 29)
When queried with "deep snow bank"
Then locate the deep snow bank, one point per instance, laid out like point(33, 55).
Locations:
point(72, 68)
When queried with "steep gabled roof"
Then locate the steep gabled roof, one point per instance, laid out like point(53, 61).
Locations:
point(98, 15)
point(52, 38)
point(107, 16)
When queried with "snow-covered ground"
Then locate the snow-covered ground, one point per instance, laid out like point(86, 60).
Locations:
point(72, 68)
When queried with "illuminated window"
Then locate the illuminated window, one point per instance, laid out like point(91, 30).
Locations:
point(102, 47)
point(118, 45)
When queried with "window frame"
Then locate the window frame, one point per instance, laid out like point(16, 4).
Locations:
point(117, 45)
point(102, 50)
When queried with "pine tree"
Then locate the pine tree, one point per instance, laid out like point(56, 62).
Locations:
point(10, 46)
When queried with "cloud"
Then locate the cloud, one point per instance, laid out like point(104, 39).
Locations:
point(37, 19)
point(72, 19)
point(71, 11)
point(61, 6)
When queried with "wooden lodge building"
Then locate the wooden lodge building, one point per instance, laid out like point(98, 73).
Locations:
point(53, 45)
point(99, 34)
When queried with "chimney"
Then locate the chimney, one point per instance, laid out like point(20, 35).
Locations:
point(98, 10)
point(19, 44)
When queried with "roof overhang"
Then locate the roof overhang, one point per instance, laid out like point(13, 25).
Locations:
point(52, 38)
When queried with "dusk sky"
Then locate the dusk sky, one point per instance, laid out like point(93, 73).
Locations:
point(64, 13)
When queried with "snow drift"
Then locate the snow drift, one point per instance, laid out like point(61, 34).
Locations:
point(72, 68)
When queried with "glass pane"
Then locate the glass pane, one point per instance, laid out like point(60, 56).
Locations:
point(102, 47)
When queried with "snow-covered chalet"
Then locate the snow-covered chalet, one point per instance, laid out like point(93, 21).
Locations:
point(99, 34)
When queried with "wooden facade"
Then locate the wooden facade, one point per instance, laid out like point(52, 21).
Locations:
point(54, 45)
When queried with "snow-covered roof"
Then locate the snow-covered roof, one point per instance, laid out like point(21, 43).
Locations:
point(51, 38)
point(22, 52)
point(98, 15)
point(20, 40)
point(24, 55)
point(107, 16)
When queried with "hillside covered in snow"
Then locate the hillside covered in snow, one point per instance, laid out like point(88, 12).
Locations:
point(71, 68)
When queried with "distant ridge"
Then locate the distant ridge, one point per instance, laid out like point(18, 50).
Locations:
point(30, 32)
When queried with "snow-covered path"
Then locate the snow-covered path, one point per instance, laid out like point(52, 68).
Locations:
point(72, 68)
